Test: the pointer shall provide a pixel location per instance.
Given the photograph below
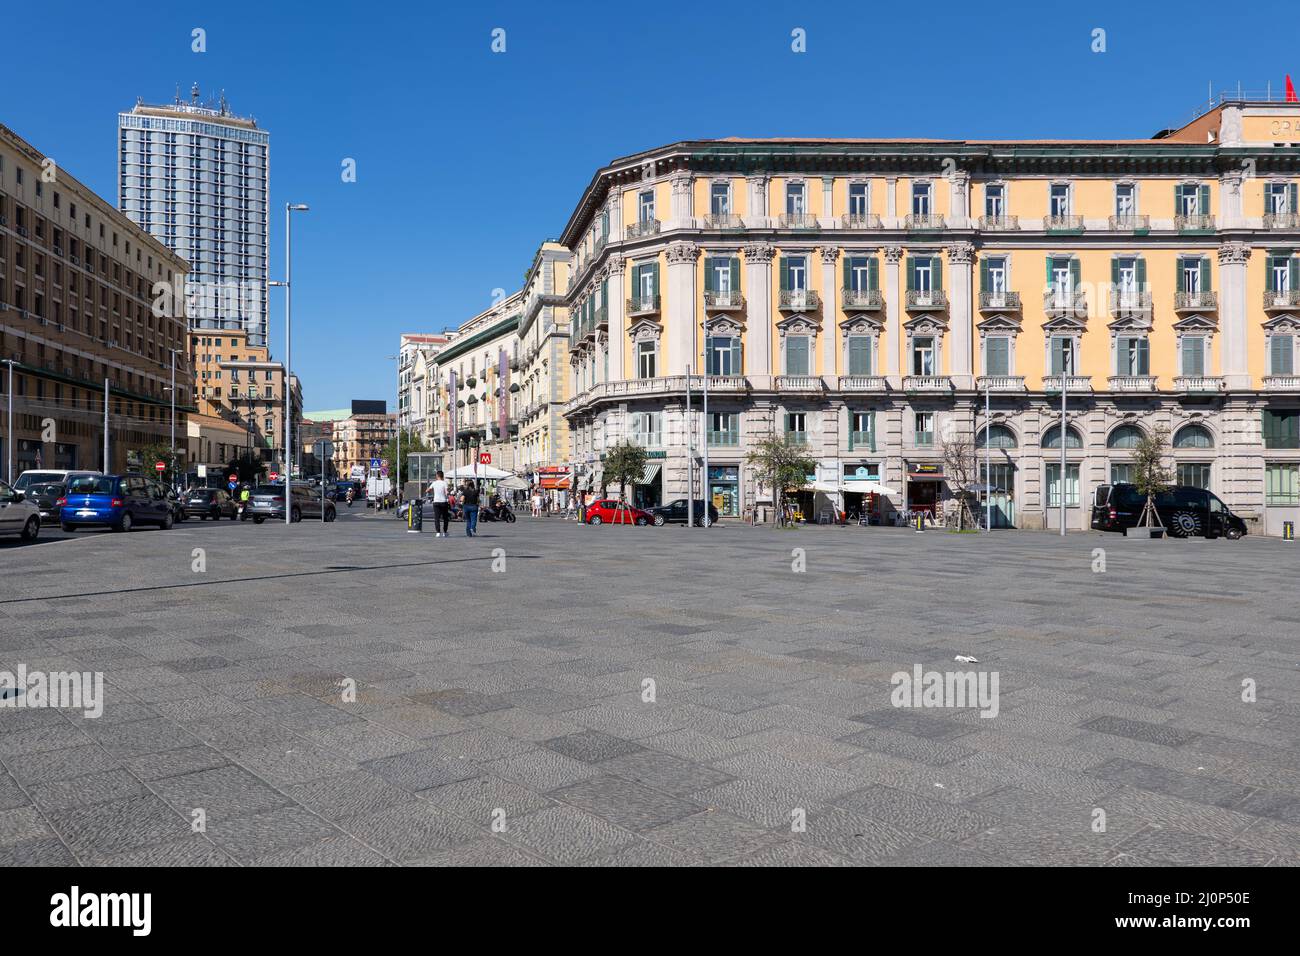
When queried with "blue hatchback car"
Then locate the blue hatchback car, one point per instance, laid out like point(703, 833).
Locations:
point(117, 501)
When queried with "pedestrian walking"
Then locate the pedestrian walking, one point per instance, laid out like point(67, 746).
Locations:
point(537, 505)
point(441, 506)
point(469, 502)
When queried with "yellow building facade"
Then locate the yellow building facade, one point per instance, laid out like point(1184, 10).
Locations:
point(871, 298)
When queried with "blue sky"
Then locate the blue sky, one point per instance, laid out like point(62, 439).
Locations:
point(467, 160)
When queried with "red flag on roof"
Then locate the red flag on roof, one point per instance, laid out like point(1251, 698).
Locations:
point(1290, 91)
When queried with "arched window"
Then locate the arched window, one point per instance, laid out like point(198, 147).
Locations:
point(1194, 436)
point(1126, 436)
point(999, 436)
point(1052, 438)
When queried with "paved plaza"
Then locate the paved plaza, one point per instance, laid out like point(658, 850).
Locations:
point(671, 696)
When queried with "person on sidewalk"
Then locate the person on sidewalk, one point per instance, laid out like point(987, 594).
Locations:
point(441, 509)
point(469, 502)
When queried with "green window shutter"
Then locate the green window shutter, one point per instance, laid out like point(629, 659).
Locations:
point(1179, 281)
point(1074, 275)
point(736, 368)
point(654, 278)
point(911, 275)
point(873, 273)
point(1291, 198)
point(1058, 355)
point(1141, 274)
point(1051, 268)
point(1281, 355)
point(734, 265)
point(859, 357)
point(1293, 269)
point(1114, 272)
point(997, 356)
point(848, 273)
point(709, 282)
point(936, 266)
point(984, 274)
point(1193, 355)
point(1204, 203)
point(1205, 275)
point(1143, 358)
point(785, 274)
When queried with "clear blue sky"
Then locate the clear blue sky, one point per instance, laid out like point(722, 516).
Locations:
point(467, 160)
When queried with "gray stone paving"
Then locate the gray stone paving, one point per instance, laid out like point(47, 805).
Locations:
point(501, 718)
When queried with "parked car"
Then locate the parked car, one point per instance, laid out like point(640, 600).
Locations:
point(119, 502)
point(173, 499)
point(46, 475)
point(214, 503)
point(46, 497)
point(613, 511)
point(268, 501)
point(1183, 510)
point(675, 513)
point(18, 515)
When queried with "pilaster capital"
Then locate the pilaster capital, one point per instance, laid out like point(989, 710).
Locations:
point(681, 182)
point(960, 178)
point(614, 265)
point(961, 253)
point(893, 255)
point(830, 254)
point(1234, 254)
point(759, 252)
point(682, 252)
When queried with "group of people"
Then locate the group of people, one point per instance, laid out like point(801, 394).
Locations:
point(445, 497)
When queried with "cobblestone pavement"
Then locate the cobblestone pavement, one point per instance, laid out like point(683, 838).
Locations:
point(503, 717)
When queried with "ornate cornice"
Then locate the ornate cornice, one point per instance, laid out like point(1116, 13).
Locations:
point(682, 252)
point(893, 255)
point(1234, 254)
point(961, 253)
point(830, 255)
point(759, 252)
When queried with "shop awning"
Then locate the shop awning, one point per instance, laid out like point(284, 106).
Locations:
point(554, 482)
point(867, 487)
point(924, 476)
point(650, 473)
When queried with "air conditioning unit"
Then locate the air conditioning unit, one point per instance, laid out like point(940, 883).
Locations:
point(4, 220)
point(76, 260)
point(22, 231)
point(58, 250)
point(59, 326)
point(43, 320)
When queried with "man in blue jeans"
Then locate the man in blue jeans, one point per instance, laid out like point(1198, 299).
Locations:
point(469, 501)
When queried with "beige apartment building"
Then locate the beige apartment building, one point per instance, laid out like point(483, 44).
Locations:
point(543, 375)
point(86, 297)
point(361, 436)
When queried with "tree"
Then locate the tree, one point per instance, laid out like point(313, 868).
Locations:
point(961, 469)
point(153, 453)
point(1150, 474)
point(247, 468)
point(411, 442)
point(782, 465)
point(623, 463)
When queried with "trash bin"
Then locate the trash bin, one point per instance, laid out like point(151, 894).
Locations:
point(415, 516)
point(1288, 530)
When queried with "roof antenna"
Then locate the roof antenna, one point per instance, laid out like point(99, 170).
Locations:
point(194, 95)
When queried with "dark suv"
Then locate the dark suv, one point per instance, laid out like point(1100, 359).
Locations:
point(675, 513)
point(1184, 511)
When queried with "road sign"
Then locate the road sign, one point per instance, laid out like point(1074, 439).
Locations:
point(275, 475)
point(324, 449)
point(374, 464)
point(159, 467)
point(485, 458)
point(383, 469)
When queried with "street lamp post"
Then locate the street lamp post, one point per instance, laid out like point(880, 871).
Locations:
point(1066, 365)
point(289, 210)
point(397, 474)
point(988, 471)
point(704, 406)
point(9, 428)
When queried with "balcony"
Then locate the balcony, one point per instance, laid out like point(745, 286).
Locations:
point(727, 300)
point(1196, 301)
point(1282, 383)
point(799, 383)
point(862, 300)
point(647, 439)
point(1003, 223)
point(1073, 383)
point(926, 300)
point(796, 438)
point(1194, 222)
point(1064, 223)
point(927, 384)
point(864, 220)
point(728, 383)
point(797, 220)
point(999, 301)
point(923, 222)
point(799, 300)
point(863, 383)
point(600, 321)
point(1282, 220)
point(1143, 384)
point(723, 221)
point(724, 439)
point(1130, 223)
point(643, 305)
point(1064, 303)
point(1000, 383)
point(1126, 302)
point(862, 441)
point(1198, 384)
point(643, 227)
point(1283, 300)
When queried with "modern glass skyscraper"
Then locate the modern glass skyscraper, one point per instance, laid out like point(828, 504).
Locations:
point(195, 176)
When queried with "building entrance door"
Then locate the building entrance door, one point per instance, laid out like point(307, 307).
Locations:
point(1002, 477)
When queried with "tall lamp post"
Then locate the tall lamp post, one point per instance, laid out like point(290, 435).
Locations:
point(173, 391)
point(289, 210)
point(397, 474)
point(9, 428)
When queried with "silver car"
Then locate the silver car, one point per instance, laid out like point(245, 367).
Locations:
point(267, 501)
point(18, 515)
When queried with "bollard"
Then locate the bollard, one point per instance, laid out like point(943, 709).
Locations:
point(415, 517)
point(1288, 530)
point(920, 519)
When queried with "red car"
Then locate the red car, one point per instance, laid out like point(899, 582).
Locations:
point(613, 511)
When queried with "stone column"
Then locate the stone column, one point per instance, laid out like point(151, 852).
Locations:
point(1231, 212)
point(830, 255)
point(958, 199)
point(1233, 257)
point(679, 317)
point(828, 198)
point(615, 206)
point(756, 211)
point(960, 257)
point(893, 311)
point(758, 310)
point(891, 199)
point(682, 200)
point(617, 325)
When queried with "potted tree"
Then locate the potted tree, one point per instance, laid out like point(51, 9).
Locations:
point(781, 464)
point(1152, 478)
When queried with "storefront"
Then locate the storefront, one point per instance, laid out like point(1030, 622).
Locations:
point(724, 489)
point(649, 491)
point(857, 502)
point(925, 483)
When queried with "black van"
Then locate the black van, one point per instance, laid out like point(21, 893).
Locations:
point(1183, 510)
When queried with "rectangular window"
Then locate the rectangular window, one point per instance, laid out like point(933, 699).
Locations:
point(796, 270)
point(1054, 485)
point(1194, 474)
point(1281, 428)
point(724, 428)
point(862, 434)
point(1189, 275)
point(994, 275)
point(795, 200)
point(1060, 200)
point(1121, 472)
point(857, 199)
point(995, 200)
point(860, 355)
point(997, 355)
point(1279, 273)
point(646, 205)
point(796, 427)
point(646, 429)
point(923, 355)
point(1193, 355)
point(796, 355)
point(1282, 485)
point(1133, 356)
point(859, 271)
point(646, 359)
point(720, 199)
point(1281, 355)
point(1125, 201)
point(723, 355)
point(921, 193)
point(1277, 199)
point(1187, 198)
point(923, 429)
point(1062, 355)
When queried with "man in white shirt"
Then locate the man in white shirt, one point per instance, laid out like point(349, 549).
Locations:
point(441, 512)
